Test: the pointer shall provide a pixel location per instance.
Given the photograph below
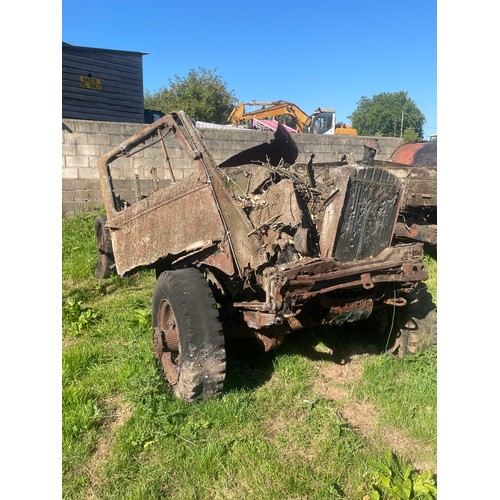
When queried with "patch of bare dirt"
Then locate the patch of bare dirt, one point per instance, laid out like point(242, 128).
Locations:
point(117, 413)
point(362, 416)
point(335, 376)
point(421, 456)
point(68, 342)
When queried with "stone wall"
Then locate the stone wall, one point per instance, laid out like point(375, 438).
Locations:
point(83, 142)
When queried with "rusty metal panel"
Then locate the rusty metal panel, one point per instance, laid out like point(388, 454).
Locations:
point(331, 215)
point(342, 311)
point(172, 221)
point(419, 232)
point(420, 153)
point(245, 244)
point(281, 204)
point(360, 213)
point(369, 214)
point(421, 187)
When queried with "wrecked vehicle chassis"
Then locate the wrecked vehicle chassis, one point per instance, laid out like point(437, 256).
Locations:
point(255, 255)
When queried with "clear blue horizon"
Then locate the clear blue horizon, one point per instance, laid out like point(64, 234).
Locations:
point(314, 54)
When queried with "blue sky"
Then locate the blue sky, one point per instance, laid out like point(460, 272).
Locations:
point(313, 54)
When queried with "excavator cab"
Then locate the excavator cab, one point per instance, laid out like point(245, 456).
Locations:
point(322, 121)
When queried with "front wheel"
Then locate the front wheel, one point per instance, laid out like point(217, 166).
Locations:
point(418, 331)
point(409, 329)
point(187, 335)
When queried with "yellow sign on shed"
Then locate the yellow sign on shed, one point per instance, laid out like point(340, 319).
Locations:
point(89, 82)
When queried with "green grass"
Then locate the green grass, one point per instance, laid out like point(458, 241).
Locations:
point(431, 263)
point(78, 246)
point(273, 435)
point(405, 391)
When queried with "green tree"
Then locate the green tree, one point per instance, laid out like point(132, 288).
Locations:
point(410, 135)
point(202, 95)
point(387, 115)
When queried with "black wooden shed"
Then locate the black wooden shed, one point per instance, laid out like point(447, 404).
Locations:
point(102, 84)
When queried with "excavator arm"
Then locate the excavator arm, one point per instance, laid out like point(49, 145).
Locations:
point(273, 108)
point(321, 121)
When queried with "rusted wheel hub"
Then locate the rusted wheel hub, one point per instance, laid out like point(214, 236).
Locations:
point(166, 342)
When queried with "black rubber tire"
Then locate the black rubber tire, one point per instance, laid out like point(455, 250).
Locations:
point(418, 330)
point(104, 266)
point(411, 329)
point(200, 361)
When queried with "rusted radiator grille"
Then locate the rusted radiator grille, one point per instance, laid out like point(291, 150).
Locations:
point(369, 214)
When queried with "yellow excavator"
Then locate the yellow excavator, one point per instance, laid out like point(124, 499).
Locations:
point(322, 121)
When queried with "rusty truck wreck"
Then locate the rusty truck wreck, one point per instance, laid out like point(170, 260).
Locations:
point(252, 248)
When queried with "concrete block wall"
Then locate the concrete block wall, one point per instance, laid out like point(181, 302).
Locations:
point(83, 142)
point(224, 143)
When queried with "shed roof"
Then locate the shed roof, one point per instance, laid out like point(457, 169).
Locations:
point(79, 47)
